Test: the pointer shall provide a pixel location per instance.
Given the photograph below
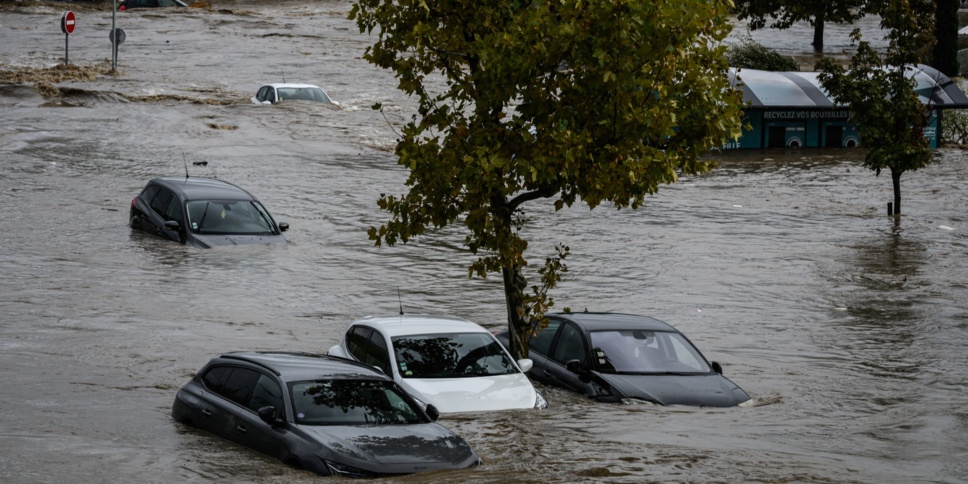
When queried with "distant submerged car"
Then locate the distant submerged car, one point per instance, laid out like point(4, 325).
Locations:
point(128, 4)
point(204, 213)
point(275, 93)
point(611, 357)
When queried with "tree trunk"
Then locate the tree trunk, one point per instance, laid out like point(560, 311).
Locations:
point(518, 325)
point(896, 178)
point(818, 32)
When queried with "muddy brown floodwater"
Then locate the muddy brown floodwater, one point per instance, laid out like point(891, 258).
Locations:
point(848, 329)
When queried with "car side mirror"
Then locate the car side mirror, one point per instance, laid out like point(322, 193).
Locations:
point(717, 367)
point(526, 364)
point(268, 415)
point(573, 366)
point(433, 413)
point(172, 225)
point(283, 226)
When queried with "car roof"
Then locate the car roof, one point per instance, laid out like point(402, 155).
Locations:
point(204, 188)
point(409, 324)
point(604, 321)
point(293, 366)
point(293, 85)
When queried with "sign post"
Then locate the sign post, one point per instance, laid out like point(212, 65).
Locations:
point(117, 38)
point(67, 26)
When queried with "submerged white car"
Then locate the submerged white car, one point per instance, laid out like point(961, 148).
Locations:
point(453, 364)
point(274, 93)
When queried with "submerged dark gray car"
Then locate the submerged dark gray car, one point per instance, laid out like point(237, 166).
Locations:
point(611, 357)
point(203, 212)
point(325, 414)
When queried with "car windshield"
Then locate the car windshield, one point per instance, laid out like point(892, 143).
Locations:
point(352, 402)
point(639, 351)
point(302, 94)
point(229, 217)
point(452, 355)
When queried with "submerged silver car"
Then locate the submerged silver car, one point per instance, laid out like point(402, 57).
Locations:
point(324, 414)
point(278, 92)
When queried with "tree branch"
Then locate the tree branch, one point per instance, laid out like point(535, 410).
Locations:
point(532, 195)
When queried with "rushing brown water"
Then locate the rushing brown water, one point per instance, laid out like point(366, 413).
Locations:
point(847, 327)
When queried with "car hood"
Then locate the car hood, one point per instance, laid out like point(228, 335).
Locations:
point(473, 394)
point(702, 390)
point(392, 448)
point(209, 241)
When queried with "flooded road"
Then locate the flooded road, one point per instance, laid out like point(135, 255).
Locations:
point(847, 328)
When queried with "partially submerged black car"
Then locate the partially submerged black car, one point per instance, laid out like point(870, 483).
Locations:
point(204, 213)
point(324, 414)
point(611, 357)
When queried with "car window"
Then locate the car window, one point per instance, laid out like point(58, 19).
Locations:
point(159, 203)
point(541, 340)
point(149, 193)
point(356, 341)
point(263, 93)
point(267, 393)
point(570, 346)
point(232, 382)
point(214, 378)
point(377, 353)
point(451, 355)
point(685, 354)
point(174, 210)
point(229, 217)
point(317, 95)
point(302, 94)
point(352, 402)
point(640, 351)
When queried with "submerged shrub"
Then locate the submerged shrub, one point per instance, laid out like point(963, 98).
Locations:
point(955, 129)
point(752, 55)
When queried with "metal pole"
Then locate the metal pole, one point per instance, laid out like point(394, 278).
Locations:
point(114, 43)
point(66, 62)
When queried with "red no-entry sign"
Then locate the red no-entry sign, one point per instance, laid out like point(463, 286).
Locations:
point(67, 22)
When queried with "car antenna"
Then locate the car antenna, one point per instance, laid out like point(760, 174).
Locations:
point(185, 159)
point(400, 299)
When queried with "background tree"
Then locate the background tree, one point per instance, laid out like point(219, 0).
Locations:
point(944, 57)
point(784, 13)
point(880, 93)
point(599, 101)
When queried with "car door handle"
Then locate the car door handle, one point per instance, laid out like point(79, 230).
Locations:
point(206, 412)
point(241, 428)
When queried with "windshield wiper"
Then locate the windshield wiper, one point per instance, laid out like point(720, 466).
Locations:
point(202, 220)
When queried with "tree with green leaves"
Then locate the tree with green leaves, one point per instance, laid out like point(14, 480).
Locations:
point(598, 101)
point(880, 91)
point(784, 13)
